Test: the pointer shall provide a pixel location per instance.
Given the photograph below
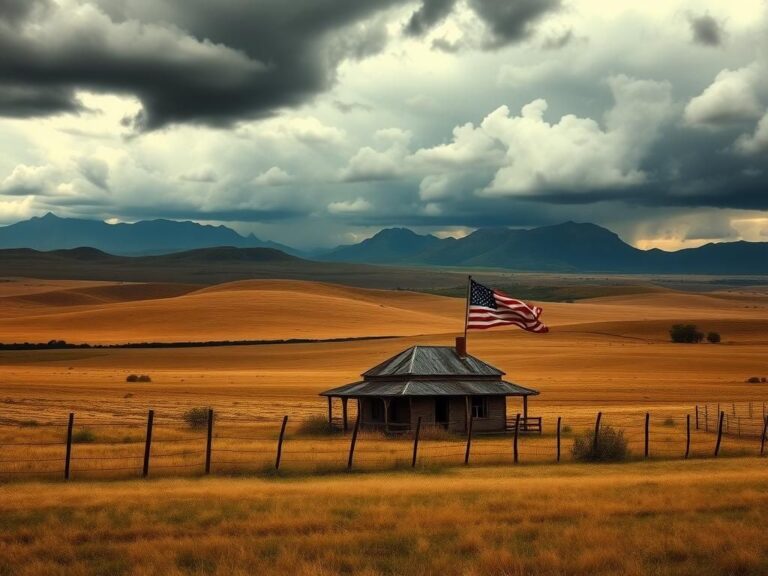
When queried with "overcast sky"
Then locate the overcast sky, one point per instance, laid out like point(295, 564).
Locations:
point(319, 122)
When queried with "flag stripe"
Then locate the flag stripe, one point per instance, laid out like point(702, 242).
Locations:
point(489, 308)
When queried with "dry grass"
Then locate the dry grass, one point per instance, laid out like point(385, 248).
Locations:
point(611, 354)
point(699, 518)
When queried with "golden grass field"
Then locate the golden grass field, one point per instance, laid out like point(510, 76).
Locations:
point(608, 354)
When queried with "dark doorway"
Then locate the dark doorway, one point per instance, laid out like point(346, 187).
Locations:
point(441, 411)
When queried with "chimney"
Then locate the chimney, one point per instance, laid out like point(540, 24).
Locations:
point(461, 346)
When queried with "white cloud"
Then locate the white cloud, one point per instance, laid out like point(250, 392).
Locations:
point(202, 175)
point(355, 206)
point(470, 147)
point(27, 180)
point(756, 143)
point(305, 129)
point(370, 164)
point(574, 154)
point(731, 98)
point(275, 176)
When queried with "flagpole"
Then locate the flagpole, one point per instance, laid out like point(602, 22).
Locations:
point(466, 310)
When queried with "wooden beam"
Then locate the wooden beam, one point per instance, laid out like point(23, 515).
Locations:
point(525, 411)
point(386, 414)
point(344, 400)
point(467, 413)
point(330, 410)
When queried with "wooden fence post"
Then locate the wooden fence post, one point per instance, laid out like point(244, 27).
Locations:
point(597, 433)
point(148, 442)
point(719, 433)
point(647, 433)
point(353, 442)
point(68, 457)
point(697, 416)
point(209, 442)
point(687, 435)
point(469, 439)
point(517, 436)
point(416, 443)
point(762, 438)
point(280, 443)
point(558, 437)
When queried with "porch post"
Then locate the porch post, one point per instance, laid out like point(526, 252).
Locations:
point(386, 414)
point(525, 409)
point(344, 412)
point(330, 410)
point(467, 414)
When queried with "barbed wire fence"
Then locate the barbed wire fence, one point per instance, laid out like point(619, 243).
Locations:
point(233, 444)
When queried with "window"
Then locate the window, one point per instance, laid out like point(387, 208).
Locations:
point(479, 407)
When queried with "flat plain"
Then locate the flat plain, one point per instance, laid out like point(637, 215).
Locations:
point(607, 353)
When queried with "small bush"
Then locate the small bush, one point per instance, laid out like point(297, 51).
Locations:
point(713, 337)
point(669, 422)
point(138, 378)
point(685, 334)
point(84, 436)
point(566, 429)
point(753, 380)
point(611, 446)
point(144, 378)
point(132, 378)
point(196, 417)
point(316, 426)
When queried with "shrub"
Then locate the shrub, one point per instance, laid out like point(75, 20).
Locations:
point(713, 337)
point(132, 378)
point(315, 426)
point(685, 334)
point(669, 422)
point(753, 380)
point(566, 429)
point(611, 446)
point(84, 436)
point(196, 417)
point(138, 378)
point(144, 378)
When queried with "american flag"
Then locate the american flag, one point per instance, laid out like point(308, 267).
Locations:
point(489, 308)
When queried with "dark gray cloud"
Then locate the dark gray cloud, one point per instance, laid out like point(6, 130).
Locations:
point(29, 101)
point(706, 30)
point(14, 11)
point(186, 60)
point(429, 13)
point(509, 21)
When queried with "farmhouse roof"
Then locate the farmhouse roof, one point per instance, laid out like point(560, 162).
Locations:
point(431, 361)
point(447, 387)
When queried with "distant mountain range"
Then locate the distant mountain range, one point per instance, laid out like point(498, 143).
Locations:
point(50, 232)
point(568, 247)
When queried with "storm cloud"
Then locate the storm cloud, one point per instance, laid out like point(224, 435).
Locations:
point(187, 61)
